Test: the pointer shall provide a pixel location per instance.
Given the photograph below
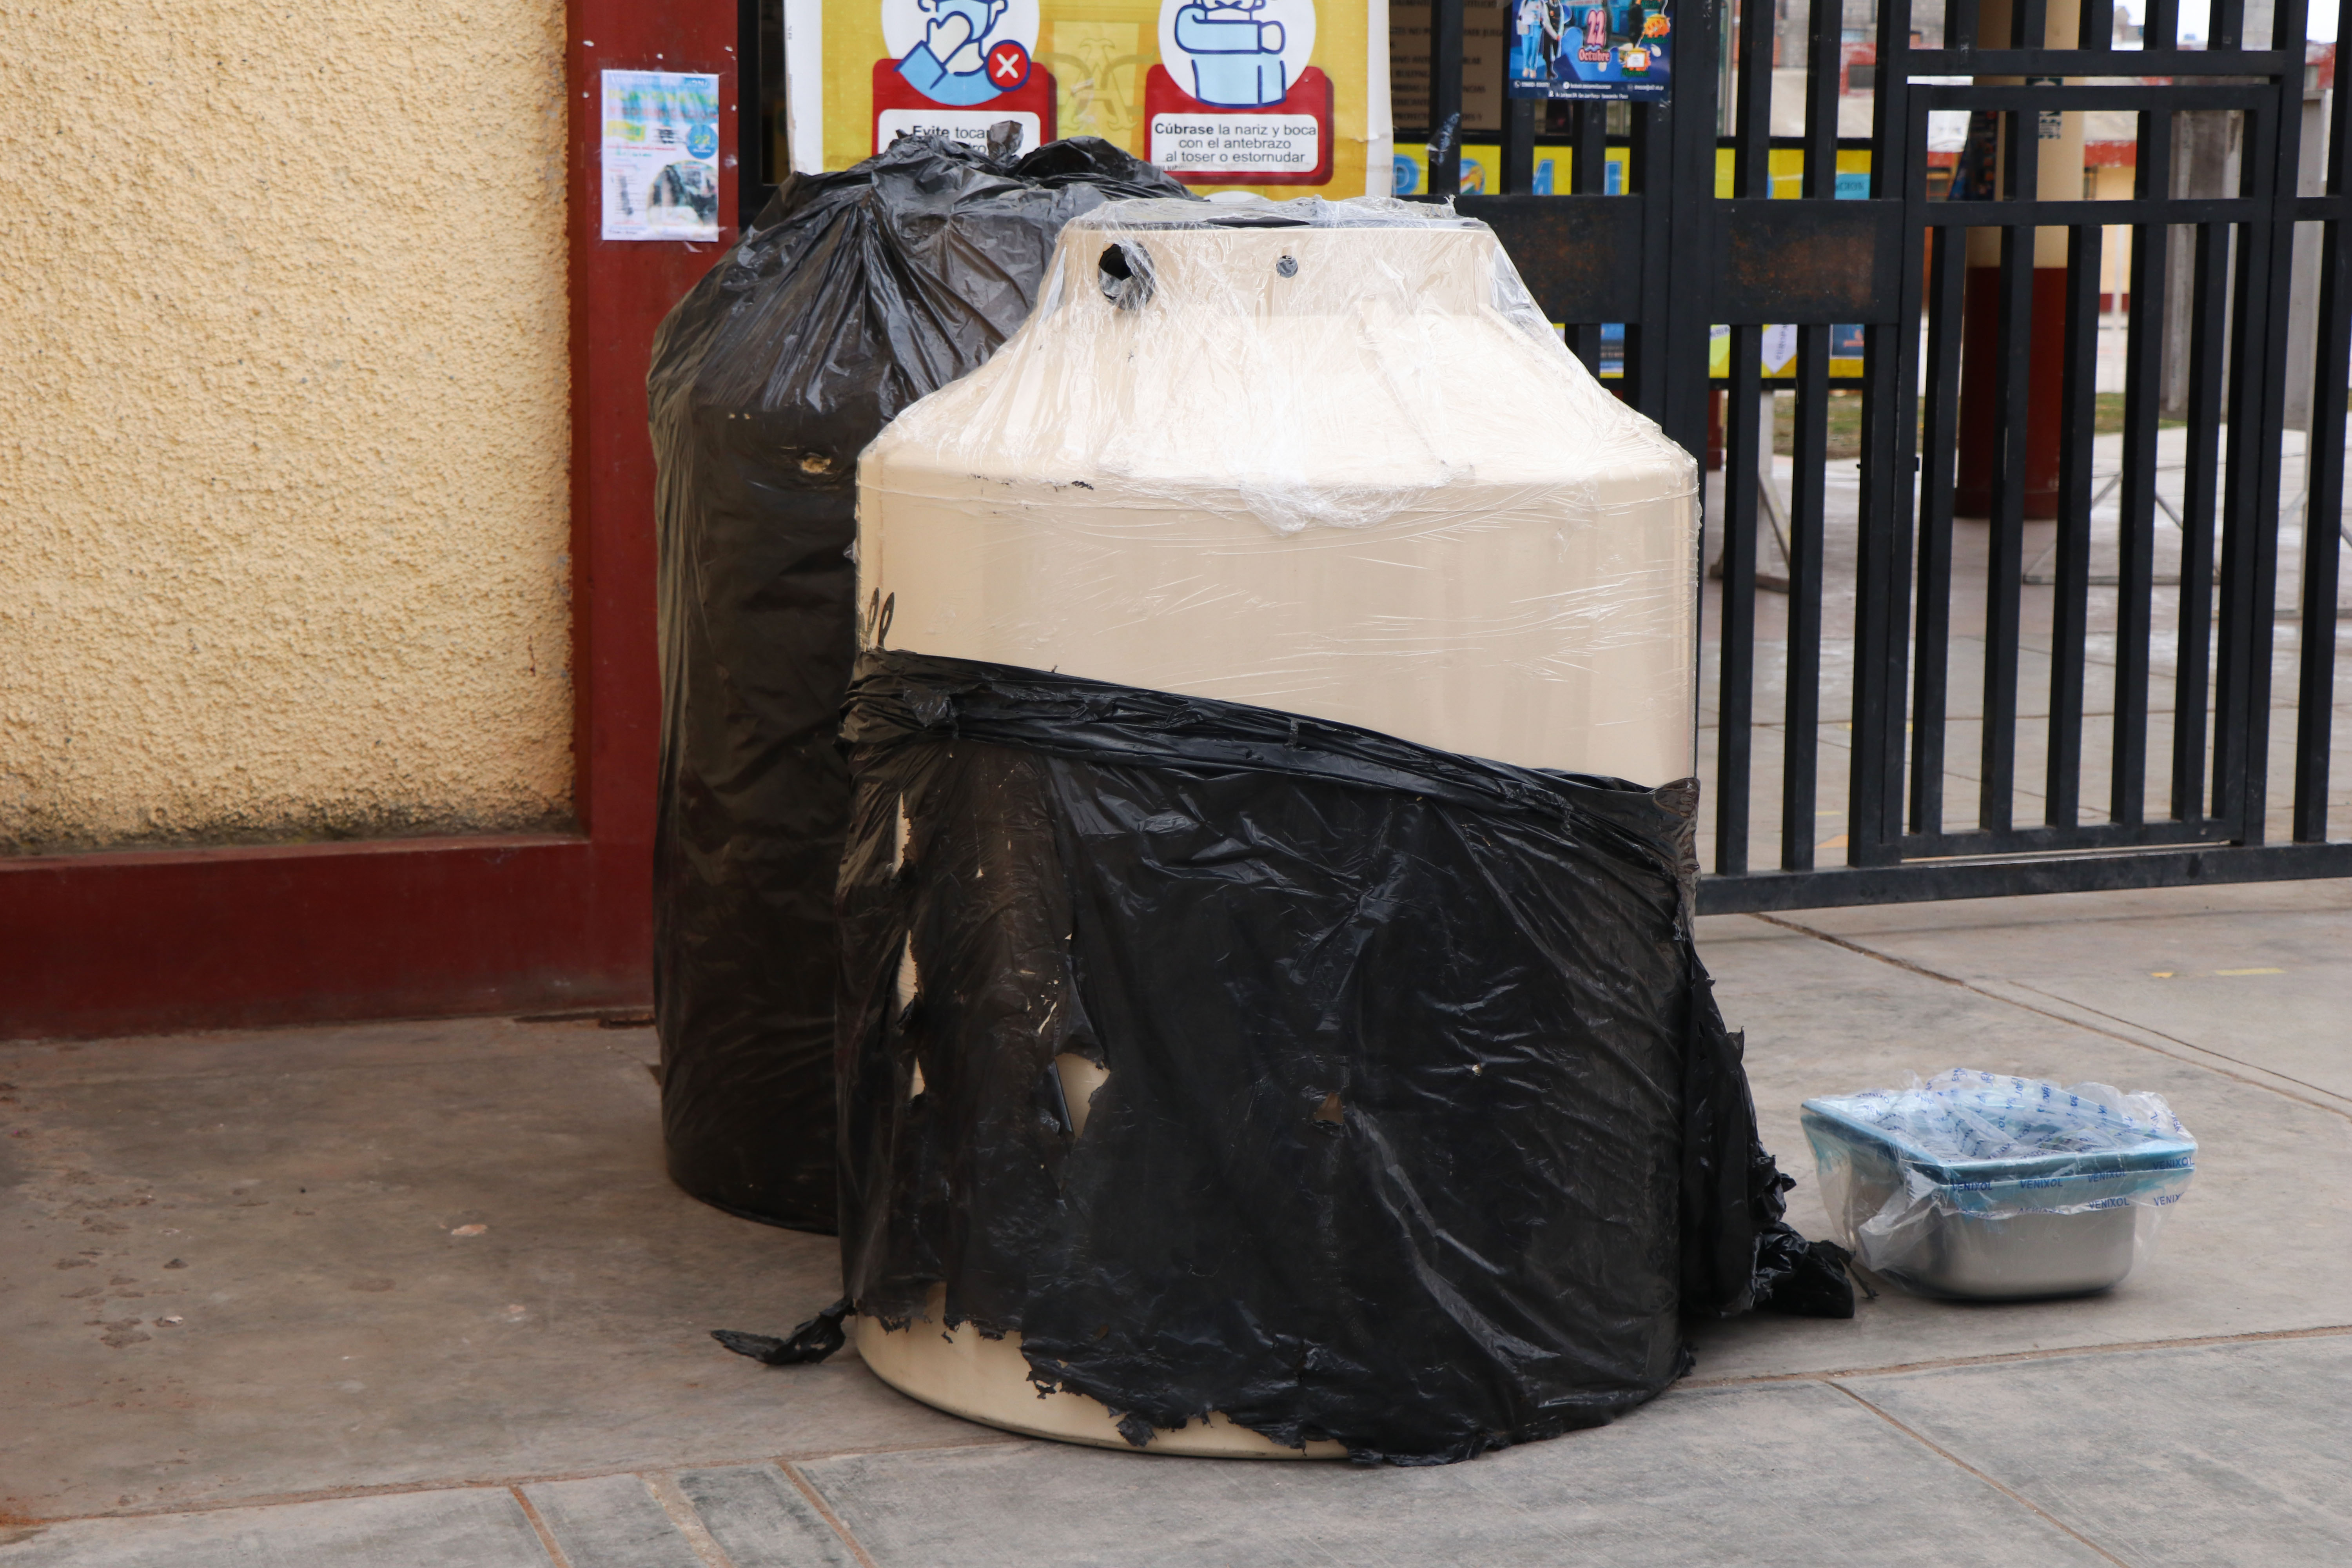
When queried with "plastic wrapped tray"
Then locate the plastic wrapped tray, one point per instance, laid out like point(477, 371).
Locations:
point(1987, 1187)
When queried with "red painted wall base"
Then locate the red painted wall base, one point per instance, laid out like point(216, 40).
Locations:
point(153, 941)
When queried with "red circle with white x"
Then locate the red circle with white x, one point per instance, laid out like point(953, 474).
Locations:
point(1008, 67)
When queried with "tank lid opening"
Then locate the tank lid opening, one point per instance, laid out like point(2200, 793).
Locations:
point(1126, 275)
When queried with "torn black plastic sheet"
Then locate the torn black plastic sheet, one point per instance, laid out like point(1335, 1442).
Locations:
point(1420, 1130)
point(856, 293)
point(812, 1341)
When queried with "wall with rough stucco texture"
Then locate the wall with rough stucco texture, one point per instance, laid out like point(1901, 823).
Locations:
point(284, 425)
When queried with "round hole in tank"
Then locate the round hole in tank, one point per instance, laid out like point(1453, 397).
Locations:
point(1126, 275)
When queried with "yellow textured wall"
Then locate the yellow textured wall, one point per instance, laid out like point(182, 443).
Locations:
point(284, 431)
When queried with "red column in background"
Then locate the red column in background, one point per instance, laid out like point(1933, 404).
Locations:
point(621, 290)
point(1980, 365)
point(141, 941)
point(2057, 152)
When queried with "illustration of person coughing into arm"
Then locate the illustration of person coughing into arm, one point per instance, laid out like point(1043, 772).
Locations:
point(948, 66)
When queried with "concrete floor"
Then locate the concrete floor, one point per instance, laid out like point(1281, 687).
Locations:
point(418, 1294)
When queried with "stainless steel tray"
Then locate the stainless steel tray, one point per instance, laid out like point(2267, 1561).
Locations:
point(1942, 1237)
point(2001, 1259)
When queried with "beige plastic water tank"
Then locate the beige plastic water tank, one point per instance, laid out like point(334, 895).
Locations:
point(1325, 458)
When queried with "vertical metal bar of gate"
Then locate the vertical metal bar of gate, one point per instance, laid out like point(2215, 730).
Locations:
point(1444, 98)
point(1941, 440)
point(2324, 484)
point(1519, 145)
point(2241, 687)
point(2069, 624)
point(1889, 460)
point(2005, 564)
point(2265, 258)
point(2070, 619)
point(2136, 522)
point(1809, 468)
point(1748, 455)
point(1589, 176)
point(1675, 143)
point(2201, 480)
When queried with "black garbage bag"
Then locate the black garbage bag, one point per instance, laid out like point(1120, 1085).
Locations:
point(1422, 1131)
point(855, 294)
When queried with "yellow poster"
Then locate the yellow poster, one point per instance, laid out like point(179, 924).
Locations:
point(1287, 98)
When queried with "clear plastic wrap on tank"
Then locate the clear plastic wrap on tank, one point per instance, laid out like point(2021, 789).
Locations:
point(1353, 474)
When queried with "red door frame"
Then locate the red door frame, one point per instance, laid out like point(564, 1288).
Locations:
point(150, 941)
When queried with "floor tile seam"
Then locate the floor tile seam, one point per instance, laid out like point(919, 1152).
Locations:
point(817, 1500)
point(404, 1489)
point(2329, 1102)
point(2148, 916)
point(2208, 1058)
point(1976, 990)
point(1953, 1459)
point(114, 1075)
point(684, 1516)
point(2009, 1358)
point(332, 1025)
point(547, 1542)
point(986, 1438)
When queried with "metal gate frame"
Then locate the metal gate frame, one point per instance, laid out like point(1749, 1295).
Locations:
point(1813, 262)
point(1670, 259)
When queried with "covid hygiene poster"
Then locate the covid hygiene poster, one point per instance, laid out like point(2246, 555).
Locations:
point(1287, 98)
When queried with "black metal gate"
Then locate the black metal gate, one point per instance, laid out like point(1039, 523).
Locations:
point(1670, 258)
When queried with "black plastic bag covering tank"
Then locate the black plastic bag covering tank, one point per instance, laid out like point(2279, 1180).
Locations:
point(855, 294)
point(1422, 1130)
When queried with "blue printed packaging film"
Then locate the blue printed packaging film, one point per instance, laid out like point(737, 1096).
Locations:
point(1990, 1186)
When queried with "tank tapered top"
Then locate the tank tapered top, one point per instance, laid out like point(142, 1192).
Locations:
point(1326, 458)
